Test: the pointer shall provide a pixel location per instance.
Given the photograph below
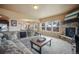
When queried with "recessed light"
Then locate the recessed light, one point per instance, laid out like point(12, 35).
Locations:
point(35, 7)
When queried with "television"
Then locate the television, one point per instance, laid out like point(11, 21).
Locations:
point(70, 32)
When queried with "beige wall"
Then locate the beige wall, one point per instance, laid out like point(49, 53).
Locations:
point(11, 14)
point(59, 17)
point(21, 19)
point(62, 27)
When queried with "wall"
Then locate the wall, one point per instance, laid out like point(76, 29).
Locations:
point(14, 16)
point(61, 29)
point(21, 23)
point(59, 17)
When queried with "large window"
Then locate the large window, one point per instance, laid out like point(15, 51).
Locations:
point(36, 26)
point(3, 27)
point(55, 26)
point(32, 26)
point(51, 26)
point(43, 26)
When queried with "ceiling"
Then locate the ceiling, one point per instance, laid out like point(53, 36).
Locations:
point(44, 10)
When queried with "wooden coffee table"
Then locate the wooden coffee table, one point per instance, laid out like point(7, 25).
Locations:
point(39, 44)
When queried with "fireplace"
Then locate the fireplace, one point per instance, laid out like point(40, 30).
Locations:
point(23, 35)
point(70, 32)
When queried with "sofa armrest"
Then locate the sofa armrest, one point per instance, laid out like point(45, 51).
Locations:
point(22, 47)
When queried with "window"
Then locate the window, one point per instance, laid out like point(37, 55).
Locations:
point(49, 26)
point(36, 26)
point(3, 27)
point(43, 26)
point(32, 27)
point(55, 26)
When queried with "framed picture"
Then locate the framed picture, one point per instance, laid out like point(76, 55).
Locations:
point(13, 23)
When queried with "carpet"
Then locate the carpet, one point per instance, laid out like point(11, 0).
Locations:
point(58, 46)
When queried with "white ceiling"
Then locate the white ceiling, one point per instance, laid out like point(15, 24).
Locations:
point(44, 10)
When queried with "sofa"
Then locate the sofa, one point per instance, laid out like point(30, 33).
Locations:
point(10, 44)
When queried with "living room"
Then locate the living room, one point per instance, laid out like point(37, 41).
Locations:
point(38, 28)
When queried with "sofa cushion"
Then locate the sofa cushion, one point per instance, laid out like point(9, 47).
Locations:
point(1, 34)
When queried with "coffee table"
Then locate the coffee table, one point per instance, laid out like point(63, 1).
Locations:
point(39, 44)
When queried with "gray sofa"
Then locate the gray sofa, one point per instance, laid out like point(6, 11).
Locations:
point(10, 44)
